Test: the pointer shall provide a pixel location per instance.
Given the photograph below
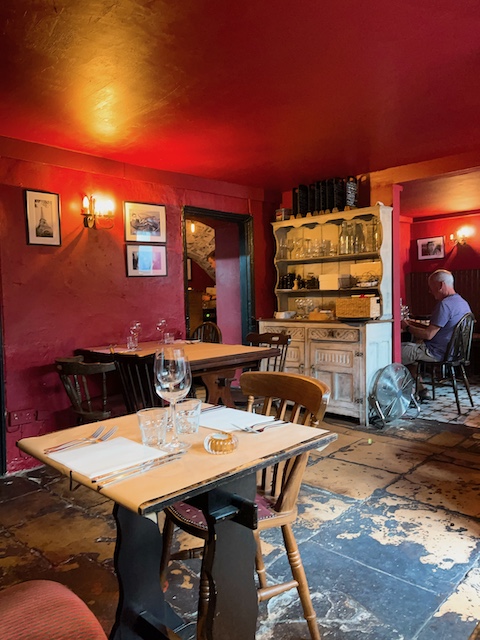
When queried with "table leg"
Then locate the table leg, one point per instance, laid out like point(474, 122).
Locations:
point(218, 387)
point(142, 612)
point(229, 562)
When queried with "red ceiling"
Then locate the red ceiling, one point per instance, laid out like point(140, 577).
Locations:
point(264, 93)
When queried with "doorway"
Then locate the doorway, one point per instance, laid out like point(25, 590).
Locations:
point(233, 246)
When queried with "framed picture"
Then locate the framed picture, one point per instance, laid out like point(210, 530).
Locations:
point(43, 217)
point(146, 260)
point(431, 248)
point(145, 222)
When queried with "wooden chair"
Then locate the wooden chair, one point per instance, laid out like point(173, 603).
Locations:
point(137, 379)
point(457, 355)
point(277, 490)
point(207, 332)
point(275, 363)
point(280, 340)
point(81, 381)
point(46, 610)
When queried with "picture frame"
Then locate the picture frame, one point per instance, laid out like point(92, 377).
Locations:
point(42, 210)
point(431, 248)
point(146, 260)
point(145, 222)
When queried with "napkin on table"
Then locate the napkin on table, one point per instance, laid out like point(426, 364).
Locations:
point(104, 457)
point(224, 419)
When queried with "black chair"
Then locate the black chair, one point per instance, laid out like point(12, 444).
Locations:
point(457, 355)
point(86, 387)
point(137, 378)
point(207, 332)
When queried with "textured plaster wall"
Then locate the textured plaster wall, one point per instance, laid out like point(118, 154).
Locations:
point(56, 299)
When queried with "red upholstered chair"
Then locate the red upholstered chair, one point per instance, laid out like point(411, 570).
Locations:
point(45, 610)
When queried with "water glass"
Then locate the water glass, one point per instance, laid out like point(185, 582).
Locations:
point(187, 415)
point(132, 342)
point(153, 426)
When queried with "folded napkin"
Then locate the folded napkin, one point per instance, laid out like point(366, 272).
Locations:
point(97, 459)
point(224, 419)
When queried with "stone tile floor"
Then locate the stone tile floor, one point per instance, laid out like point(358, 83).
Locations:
point(388, 529)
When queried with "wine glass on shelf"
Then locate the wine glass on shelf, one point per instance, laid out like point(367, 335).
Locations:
point(173, 380)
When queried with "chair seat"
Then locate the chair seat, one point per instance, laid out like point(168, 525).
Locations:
point(192, 517)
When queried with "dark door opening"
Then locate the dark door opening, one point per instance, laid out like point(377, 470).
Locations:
point(234, 270)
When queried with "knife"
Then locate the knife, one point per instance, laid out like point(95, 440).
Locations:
point(134, 468)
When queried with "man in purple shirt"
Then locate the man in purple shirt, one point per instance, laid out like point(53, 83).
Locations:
point(432, 340)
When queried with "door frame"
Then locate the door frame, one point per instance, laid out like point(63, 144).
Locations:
point(244, 223)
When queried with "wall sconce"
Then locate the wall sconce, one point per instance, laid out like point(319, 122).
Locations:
point(192, 226)
point(98, 213)
point(460, 237)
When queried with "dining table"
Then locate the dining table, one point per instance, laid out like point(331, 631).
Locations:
point(222, 486)
point(216, 364)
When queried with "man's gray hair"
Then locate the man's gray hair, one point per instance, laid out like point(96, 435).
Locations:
point(442, 275)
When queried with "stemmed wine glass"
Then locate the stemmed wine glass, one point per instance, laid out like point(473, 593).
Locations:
point(161, 327)
point(173, 380)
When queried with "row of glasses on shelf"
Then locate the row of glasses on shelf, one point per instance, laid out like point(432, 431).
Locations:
point(305, 248)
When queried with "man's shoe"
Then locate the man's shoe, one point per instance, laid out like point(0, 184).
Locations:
point(424, 396)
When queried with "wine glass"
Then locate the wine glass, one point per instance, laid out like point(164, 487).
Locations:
point(172, 383)
point(161, 327)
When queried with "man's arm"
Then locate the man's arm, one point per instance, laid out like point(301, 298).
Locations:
point(421, 331)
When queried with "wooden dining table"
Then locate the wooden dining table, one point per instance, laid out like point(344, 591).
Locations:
point(223, 487)
point(215, 363)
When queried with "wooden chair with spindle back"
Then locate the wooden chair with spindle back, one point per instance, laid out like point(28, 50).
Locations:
point(83, 381)
point(277, 490)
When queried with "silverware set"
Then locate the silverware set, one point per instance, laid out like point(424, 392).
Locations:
point(266, 424)
point(97, 436)
point(108, 479)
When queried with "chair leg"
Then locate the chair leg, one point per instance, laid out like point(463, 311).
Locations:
point(167, 537)
point(259, 564)
point(298, 573)
point(467, 384)
point(432, 371)
point(453, 377)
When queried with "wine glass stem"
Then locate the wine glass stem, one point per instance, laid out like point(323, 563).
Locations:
point(174, 421)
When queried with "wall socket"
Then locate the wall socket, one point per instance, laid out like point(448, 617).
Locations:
point(22, 417)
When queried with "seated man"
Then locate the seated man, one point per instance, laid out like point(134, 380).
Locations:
point(432, 340)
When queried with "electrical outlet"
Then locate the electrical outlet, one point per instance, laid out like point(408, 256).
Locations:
point(22, 417)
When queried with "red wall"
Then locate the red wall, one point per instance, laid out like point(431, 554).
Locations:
point(56, 299)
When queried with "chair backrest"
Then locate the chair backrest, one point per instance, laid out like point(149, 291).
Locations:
point(207, 332)
point(459, 347)
point(137, 379)
point(280, 340)
point(309, 398)
point(81, 381)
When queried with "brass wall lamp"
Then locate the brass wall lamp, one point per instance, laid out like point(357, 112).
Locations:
point(97, 213)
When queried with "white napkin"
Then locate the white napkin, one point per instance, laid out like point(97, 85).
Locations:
point(96, 459)
point(224, 419)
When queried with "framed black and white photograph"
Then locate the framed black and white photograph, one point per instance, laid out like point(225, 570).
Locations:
point(43, 217)
point(431, 248)
point(146, 260)
point(145, 222)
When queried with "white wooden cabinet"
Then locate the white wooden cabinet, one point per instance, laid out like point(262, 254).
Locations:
point(311, 246)
point(346, 356)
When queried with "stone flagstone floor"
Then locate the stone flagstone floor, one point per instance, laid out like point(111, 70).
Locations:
point(388, 529)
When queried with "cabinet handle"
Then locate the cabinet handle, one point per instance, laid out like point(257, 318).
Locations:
point(301, 368)
point(312, 369)
point(359, 354)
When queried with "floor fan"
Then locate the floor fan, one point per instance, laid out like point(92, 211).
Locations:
point(392, 392)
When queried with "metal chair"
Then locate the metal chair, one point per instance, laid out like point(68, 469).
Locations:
point(277, 489)
point(137, 380)
point(81, 381)
point(207, 332)
point(456, 355)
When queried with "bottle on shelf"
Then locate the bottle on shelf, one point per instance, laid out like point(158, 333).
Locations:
point(343, 239)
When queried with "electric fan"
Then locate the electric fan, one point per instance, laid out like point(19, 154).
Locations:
point(392, 392)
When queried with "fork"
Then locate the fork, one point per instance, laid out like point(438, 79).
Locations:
point(266, 424)
point(95, 437)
